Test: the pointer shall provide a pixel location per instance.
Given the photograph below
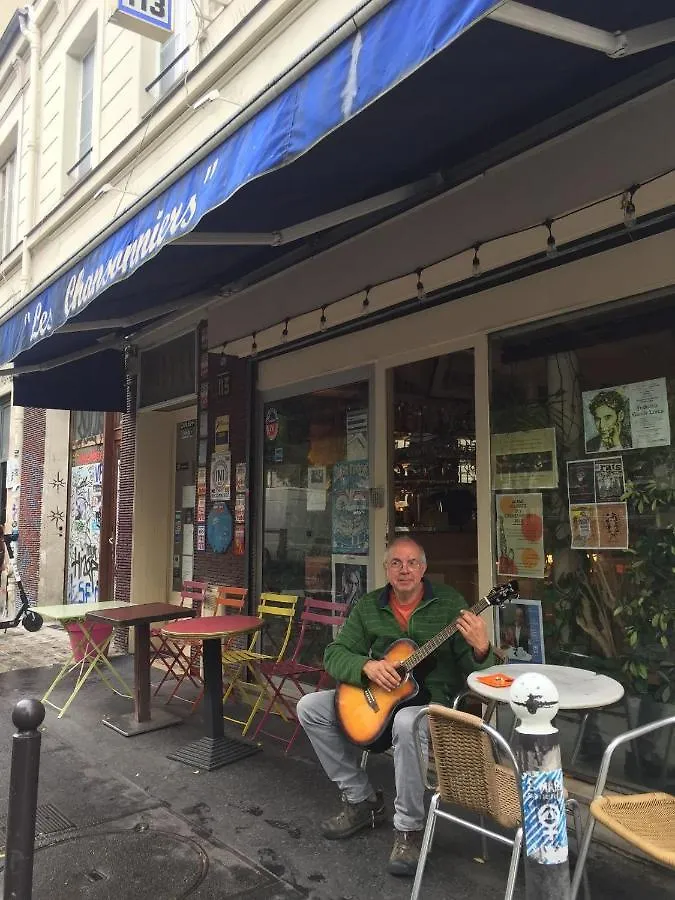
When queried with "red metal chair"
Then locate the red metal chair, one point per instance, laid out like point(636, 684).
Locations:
point(277, 674)
point(180, 658)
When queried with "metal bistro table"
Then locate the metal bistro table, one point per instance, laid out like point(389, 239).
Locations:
point(140, 616)
point(578, 689)
point(93, 655)
point(213, 750)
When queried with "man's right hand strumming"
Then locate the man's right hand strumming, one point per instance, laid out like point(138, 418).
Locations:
point(382, 673)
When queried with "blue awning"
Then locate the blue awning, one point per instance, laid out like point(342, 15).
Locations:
point(416, 91)
point(395, 42)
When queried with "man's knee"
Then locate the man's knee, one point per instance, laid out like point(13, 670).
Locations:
point(313, 706)
point(404, 722)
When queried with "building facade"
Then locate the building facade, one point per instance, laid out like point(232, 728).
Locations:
point(338, 314)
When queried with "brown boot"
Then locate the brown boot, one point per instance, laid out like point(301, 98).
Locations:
point(354, 817)
point(405, 853)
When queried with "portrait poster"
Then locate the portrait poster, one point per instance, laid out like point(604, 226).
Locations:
point(627, 416)
point(317, 484)
point(221, 476)
point(521, 631)
point(596, 480)
point(350, 579)
point(520, 535)
point(350, 507)
point(357, 434)
point(525, 460)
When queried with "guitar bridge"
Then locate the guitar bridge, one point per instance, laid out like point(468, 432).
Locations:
point(370, 700)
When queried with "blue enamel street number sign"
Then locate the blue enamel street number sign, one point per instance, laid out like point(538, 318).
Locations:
point(151, 18)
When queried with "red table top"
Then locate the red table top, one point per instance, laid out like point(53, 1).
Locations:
point(137, 613)
point(206, 627)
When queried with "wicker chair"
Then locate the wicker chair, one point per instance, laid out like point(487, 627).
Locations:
point(647, 821)
point(469, 776)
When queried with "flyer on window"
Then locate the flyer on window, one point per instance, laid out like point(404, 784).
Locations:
point(520, 535)
point(525, 459)
point(627, 416)
point(596, 480)
point(599, 526)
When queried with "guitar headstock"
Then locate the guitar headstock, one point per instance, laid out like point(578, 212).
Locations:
point(503, 593)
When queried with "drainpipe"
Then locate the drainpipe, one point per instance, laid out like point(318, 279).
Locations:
point(31, 31)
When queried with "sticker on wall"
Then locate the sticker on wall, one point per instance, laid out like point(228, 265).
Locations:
point(201, 537)
point(240, 477)
point(178, 523)
point(271, 424)
point(204, 365)
point(219, 528)
point(317, 484)
point(239, 540)
point(186, 430)
point(204, 396)
point(221, 433)
point(202, 452)
point(223, 384)
point(201, 481)
point(221, 476)
point(203, 424)
point(240, 509)
point(201, 510)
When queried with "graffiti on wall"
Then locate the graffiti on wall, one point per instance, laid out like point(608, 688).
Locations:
point(84, 526)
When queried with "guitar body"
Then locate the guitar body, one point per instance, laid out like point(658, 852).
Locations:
point(365, 713)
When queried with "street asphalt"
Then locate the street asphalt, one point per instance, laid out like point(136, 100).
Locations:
point(118, 819)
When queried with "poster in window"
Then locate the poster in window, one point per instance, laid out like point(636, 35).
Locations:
point(520, 535)
point(350, 507)
point(627, 416)
point(350, 579)
point(221, 476)
point(584, 526)
point(357, 434)
point(596, 480)
point(317, 485)
point(523, 460)
point(613, 526)
point(521, 631)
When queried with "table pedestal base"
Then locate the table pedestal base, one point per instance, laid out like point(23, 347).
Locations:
point(211, 753)
point(129, 726)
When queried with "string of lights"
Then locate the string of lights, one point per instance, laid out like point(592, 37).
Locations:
point(551, 250)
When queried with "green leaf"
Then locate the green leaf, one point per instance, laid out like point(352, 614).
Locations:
point(664, 642)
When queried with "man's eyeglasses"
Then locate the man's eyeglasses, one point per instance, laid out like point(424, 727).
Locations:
point(398, 564)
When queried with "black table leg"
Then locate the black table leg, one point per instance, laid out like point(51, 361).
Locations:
point(214, 750)
point(213, 688)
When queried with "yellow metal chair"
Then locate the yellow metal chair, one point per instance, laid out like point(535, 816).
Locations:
point(647, 821)
point(240, 663)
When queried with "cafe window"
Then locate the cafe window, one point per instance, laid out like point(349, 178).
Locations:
point(316, 509)
point(583, 472)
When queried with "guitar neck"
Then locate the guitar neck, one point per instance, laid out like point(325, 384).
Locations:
point(426, 649)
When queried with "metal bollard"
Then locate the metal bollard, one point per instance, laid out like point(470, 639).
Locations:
point(23, 789)
point(534, 700)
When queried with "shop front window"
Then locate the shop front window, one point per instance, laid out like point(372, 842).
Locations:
point(583, 472)
point(316, 515)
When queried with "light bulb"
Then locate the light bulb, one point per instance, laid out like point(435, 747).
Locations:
point(475, 265)
point(628, 206)
point(551, 246)
point(323, 321)
point(284, 333)
point(421, 293)
point(366, 300)
point(254, 345)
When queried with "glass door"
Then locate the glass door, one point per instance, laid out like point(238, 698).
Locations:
point(433, 451)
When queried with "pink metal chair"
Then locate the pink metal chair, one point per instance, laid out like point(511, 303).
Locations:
point(180, 658)
point(277, 674)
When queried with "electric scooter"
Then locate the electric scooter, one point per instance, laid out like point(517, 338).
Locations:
point(29, 618)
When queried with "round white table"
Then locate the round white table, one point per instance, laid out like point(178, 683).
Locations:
point(578, 688)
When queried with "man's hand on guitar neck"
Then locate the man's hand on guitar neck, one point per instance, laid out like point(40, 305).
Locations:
point(474, 631)
point(382, 673)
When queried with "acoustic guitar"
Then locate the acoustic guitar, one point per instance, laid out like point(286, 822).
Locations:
point(365, 712)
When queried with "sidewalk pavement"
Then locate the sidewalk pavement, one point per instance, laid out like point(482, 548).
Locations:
point(120, 820)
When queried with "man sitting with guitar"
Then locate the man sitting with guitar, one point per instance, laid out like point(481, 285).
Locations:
point(409, 607)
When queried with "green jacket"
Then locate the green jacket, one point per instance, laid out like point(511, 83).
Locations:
point(371, 627)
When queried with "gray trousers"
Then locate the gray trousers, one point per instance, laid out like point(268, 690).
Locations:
point(341, 759)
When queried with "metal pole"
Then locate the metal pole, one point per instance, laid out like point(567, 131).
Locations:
point(23, 788)
point(534, 701)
